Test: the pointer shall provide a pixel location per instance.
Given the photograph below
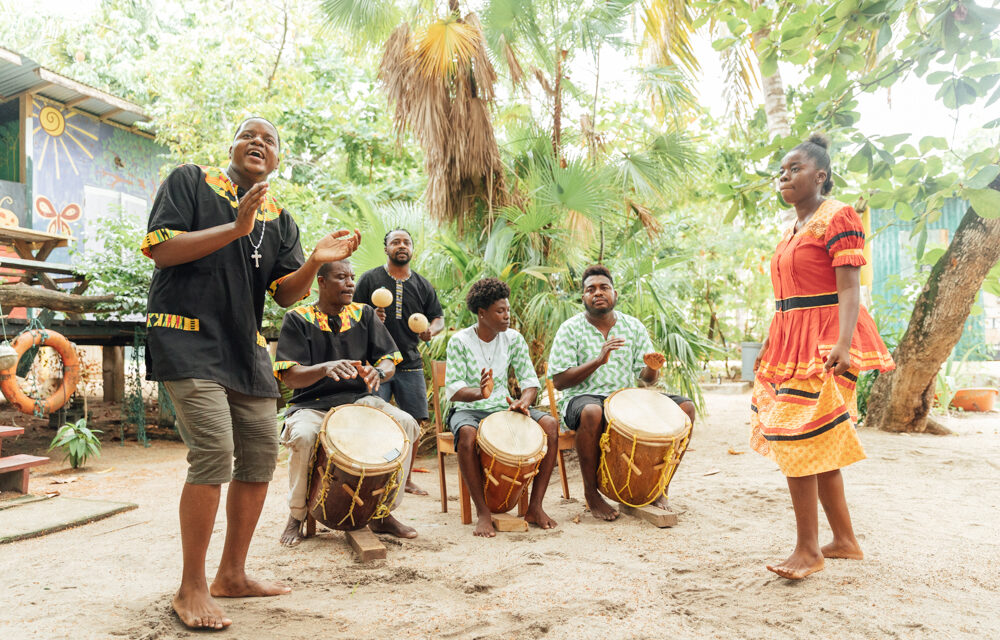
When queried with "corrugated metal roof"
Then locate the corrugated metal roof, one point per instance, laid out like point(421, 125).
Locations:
point(19, 74)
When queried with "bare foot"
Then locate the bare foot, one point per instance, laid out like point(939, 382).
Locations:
point(414, 489)
point(198, 610)
point(390, 525)
point(246, 587)
point(292, 535)
point(484, 527)
point(662, 503)
point(798, 565)
point(601, 509)
point(848, 550)
point(535, 515)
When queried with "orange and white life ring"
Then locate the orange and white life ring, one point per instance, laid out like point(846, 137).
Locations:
point(71, 372)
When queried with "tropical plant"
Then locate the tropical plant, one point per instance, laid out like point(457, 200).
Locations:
point(78, 441)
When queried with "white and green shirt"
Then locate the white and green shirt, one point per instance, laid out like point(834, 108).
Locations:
point(468, 356)
point(578, 342)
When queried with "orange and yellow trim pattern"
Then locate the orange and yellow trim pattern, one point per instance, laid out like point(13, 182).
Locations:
point(219, 182)
point(349, 316)
point(261, 340)
point(154, 238)
point(172, 321)
point(281, 366)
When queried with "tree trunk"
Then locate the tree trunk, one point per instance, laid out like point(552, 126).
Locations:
point(901, 399)
point(22, 295)
point(774, 94)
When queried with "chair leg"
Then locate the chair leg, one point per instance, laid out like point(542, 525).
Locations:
point(444, 485)
point(562, 475)
point(465, 499)
point(310, 525)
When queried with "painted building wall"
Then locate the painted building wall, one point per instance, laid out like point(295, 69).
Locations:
point(84, 170)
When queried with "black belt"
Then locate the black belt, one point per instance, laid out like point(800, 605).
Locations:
point(805, 302)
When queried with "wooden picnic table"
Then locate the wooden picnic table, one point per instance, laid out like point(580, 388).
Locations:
point(33, 248)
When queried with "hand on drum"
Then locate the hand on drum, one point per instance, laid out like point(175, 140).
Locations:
point(486, 383)
point(654, 360)
point(371, 377)
point(518, 405)
point(839, 360)
point(341, 370)
point(380, 313)
point(612, 344)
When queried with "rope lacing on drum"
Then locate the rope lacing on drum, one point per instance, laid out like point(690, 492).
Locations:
point(504, 506)
point(354, 497)
point(391, 488)
point(670, 460)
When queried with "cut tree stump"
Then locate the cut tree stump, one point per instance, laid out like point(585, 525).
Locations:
point(653, 515)
point(507, 522)
point(366, 545)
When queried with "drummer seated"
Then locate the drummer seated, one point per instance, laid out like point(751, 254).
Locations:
point(476, 384)
point(594, 354)
point(321, 349)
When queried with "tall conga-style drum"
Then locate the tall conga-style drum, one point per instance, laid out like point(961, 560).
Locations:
point(357, 467)
point(511, 446)
point(646, 436)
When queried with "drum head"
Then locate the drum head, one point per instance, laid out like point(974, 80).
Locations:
point(646, 412)
point(511, 433)
point(364, 435)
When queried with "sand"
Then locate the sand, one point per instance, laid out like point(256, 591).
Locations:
point(926, 509)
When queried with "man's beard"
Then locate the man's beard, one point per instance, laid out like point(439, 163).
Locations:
point(400, 262)
point(599, 312)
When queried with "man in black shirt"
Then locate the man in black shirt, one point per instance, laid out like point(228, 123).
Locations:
point(220, 241)
point(316, 349)
point(411, 293)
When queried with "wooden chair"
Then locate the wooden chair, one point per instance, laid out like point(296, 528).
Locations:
point(446, 446)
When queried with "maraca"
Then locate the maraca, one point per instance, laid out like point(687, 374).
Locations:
point(381, 297)
point(418, 323)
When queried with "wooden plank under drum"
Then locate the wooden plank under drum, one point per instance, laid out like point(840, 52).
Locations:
point(507, 522)
point(653, 515)
point(366, 545)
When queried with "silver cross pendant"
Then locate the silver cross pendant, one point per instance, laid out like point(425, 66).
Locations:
point(256, 258)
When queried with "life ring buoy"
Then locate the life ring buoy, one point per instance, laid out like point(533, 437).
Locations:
point(71, 372)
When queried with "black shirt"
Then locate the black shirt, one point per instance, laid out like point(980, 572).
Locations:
point(413, 295)
point(203, 317)
point(309, 336)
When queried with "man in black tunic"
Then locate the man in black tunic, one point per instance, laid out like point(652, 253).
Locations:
point(317, 351)
point(220, 241)
point(411, 293)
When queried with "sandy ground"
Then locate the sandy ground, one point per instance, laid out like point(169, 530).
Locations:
point(926, 508)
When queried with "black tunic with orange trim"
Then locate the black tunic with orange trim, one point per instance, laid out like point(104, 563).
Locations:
point(803, 418)
point(204, 317)
point(309, 337)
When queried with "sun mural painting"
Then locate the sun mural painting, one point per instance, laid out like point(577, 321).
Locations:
point(54, 123)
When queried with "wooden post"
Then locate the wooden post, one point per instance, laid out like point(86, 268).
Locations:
point(113, 373)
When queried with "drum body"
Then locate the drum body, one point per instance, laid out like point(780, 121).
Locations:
point(511, 446)
point(357, 467)
point(645, 439)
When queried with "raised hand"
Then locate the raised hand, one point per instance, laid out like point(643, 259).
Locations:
point(246, 214)
point(340, 370)
point(338, 245)
point(370, 376)
point(486, 383)
point(654, 360)
point(380, 313)
point(612, 344)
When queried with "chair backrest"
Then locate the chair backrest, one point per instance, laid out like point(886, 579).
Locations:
point(437, 381)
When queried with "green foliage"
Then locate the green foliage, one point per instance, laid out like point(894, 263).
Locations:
point(113, 265)
point(78, 441)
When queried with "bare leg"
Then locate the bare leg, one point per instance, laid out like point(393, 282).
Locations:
point(193, 602)
point(535, 513)
point(588, 448)
point(292, 535)
point(412, 487)
point(689, 409)
point(831, 496)
point(472, 472)
point(806, 558)
point(243, 506)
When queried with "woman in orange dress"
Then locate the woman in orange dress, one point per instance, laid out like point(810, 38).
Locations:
point(820, 339)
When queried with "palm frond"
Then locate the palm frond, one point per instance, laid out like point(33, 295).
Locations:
point(372, 20)
point(742, 81)
point(670, 89)
point(666, 38)
point(444, 46)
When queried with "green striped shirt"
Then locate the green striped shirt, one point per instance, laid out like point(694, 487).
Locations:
point(468, 355)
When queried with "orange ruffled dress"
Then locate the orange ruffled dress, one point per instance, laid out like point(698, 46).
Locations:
point(803, 418)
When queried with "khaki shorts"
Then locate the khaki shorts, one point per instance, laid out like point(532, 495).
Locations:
point(229, 435)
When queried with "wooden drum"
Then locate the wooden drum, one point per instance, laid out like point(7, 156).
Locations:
point(511, 446)
point(357, 467)
point(646, 436)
